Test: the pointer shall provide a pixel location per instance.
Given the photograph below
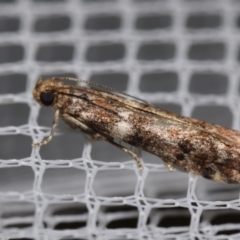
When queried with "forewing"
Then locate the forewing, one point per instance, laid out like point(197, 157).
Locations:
point(226, 135)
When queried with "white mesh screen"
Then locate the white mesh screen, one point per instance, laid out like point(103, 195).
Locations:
point(182, 56)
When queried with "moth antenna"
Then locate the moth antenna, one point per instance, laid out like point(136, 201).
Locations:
point(97, 85)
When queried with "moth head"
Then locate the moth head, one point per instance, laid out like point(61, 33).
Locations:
point(45, 91)
point(47, 98)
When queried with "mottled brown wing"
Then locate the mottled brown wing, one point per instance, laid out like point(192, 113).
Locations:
point(227, 135)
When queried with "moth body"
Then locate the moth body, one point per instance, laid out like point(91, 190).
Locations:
point(195, 146)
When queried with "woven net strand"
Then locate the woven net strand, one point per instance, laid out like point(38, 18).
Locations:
point(181, 55)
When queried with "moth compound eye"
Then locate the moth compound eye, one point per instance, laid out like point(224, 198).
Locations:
point(47, 98)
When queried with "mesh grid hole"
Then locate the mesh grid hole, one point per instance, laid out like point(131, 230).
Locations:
point(53, 53)
point(113, 152)
point(220, 219)
point(117, 217)
point(65, 216)
point(207, 51)
point(59, 148)
point(105, 52)
point(123, 223)
point(217, 83)
point(15, 146)
point(13, 83)
point(55, 180)
point(202, 21)
point(175, 190)
point(117, 80)
point(114, 188)
point(156, 51)
point(159, 81)
point(153, 22)
point(9, 24)
point(102, 22)
point(17, 215)
point(52, 23)
point(16, 179)
point(10, 114)
point(11, 53)
point(179, 217)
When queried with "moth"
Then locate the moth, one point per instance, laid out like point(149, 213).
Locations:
point(194, 146)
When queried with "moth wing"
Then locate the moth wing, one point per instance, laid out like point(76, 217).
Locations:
point(226, 135)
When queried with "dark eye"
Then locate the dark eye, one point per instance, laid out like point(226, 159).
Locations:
point(47, 98)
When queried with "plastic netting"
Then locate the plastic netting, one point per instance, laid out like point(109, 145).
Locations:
point(182, 56)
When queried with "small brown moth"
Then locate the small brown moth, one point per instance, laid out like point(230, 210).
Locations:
point(195, 146)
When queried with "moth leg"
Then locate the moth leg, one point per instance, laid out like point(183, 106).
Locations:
point(139, 164)
point(169, 166)
point(49, 138)
point(74, 123)
point(98, 136)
